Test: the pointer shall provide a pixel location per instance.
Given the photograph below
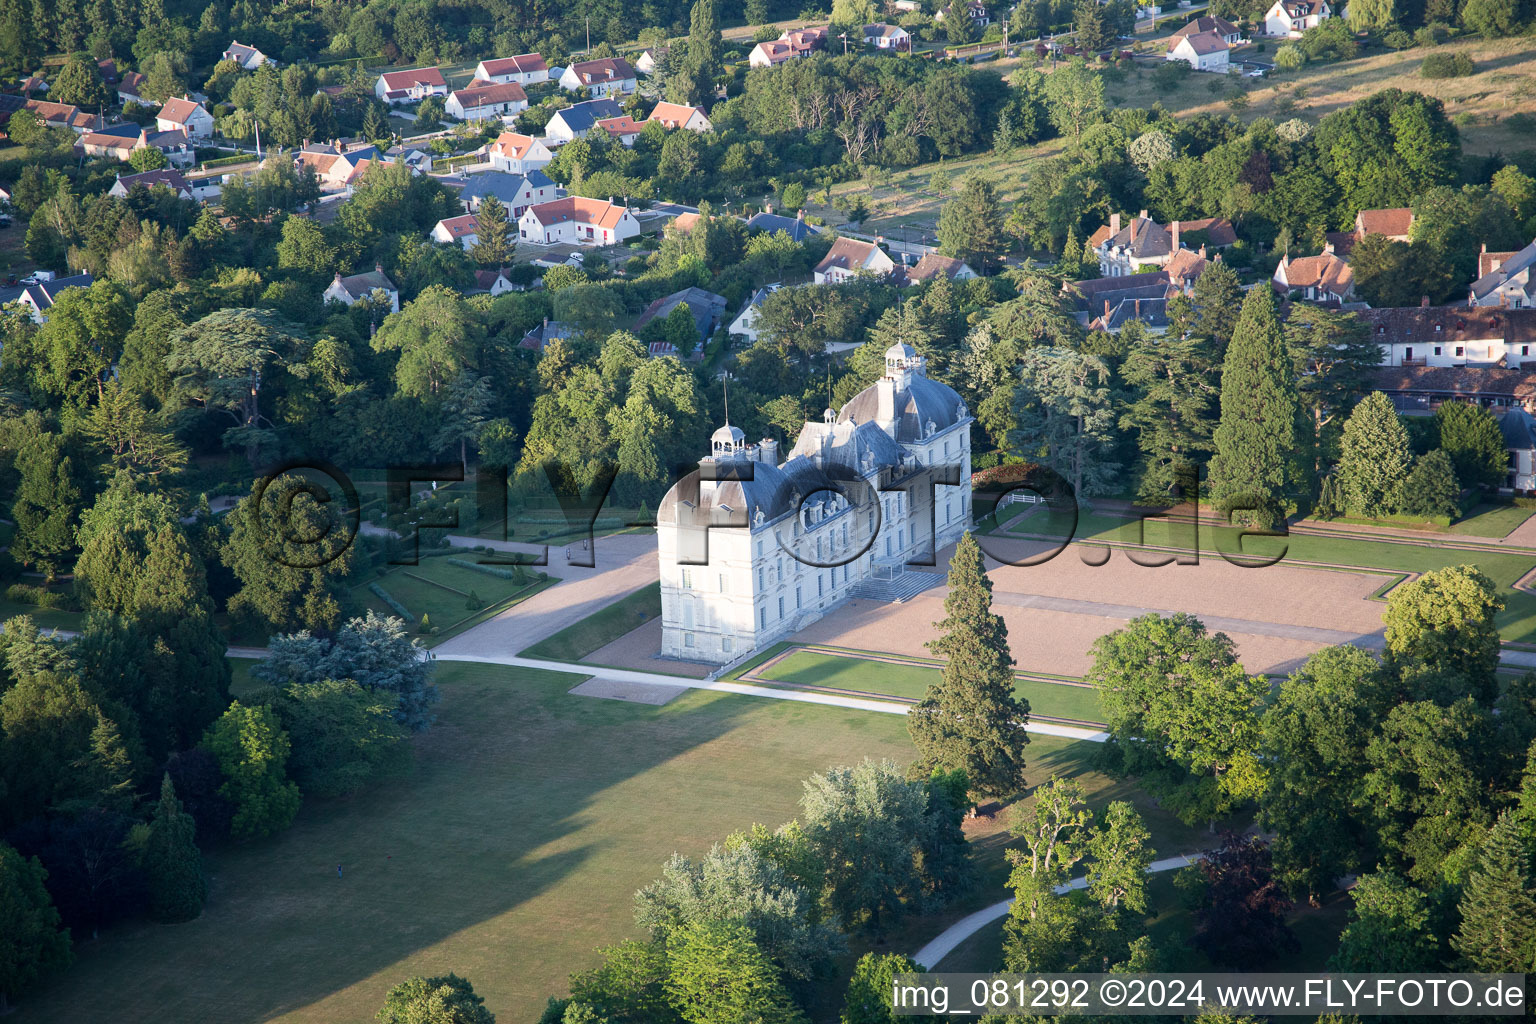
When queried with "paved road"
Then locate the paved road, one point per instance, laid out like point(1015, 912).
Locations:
point(930, 955)
point(624, 564)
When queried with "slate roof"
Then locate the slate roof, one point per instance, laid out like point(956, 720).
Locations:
point(1416, 325)
point(502, 185)
point(934, 265)
point(581, 117)
point(359, 285)
point(796, 227)
point(706, 307)
point(1520, 262)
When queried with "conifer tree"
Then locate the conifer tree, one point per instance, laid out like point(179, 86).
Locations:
point(493, 231)
point(172, 862)
point(1373, 465)
point(1257, 438)
point(46, 502)
point(970, 718)
point(1498, 908)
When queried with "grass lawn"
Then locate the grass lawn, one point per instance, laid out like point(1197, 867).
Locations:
point(441, 591)
point(1492, 521)
point(46, 618)
point(815, 669)
point(602, 627)
point(507, 856)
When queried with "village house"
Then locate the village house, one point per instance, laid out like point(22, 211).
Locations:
point(706, 308)
point(372, 284)
point(1203, 51)
point(1293, 17)
point(1322, 278)
point(932, 266)
point(792, 44)
point(745, 324)
point(1145, 243)
point(518, 154)
point(1395, 223)
point(795, 227)
point(164, 178)
point(37, 298)
point(493, 283)
point(183, 114)
point(516, 192)
point(524, 69)
point(610, 76)
point(576, 120)
point(576, 220)
point(1510, 282)
point(396, 87)
point(128, 89)
point(646, 63)
point(121, 141)
point(975, 11)
point(248, 57)
point(543, 334)
point(464, 229)
point(622, 129)
point(482, 99)
point(850, 257)
point(675, 115)
point(887, 37)
point(1229, 33)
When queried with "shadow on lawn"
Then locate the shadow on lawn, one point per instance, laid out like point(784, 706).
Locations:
point(491, 819)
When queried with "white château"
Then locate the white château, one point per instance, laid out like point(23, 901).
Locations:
point(753, 549)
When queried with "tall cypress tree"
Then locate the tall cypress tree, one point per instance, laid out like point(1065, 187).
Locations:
point(1498, 908)
point(706, 49)
point(1257, 439)
point(172, 861)
point(970, 718)
point(1375, 457)
point(47, 500)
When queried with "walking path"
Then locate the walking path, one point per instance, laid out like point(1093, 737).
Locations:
point(948, 940)
point(771, 693)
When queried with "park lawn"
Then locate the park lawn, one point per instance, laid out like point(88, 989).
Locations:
point(602, 627)
point(1492, 521)
point(508, 855)
point(441, 591)
point(811, 668)
point(46, 618)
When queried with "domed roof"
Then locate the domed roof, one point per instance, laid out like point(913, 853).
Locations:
point(727, 435)
point(740, 490)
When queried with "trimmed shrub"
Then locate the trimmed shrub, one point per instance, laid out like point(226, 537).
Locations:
point(27, 593)
point(394, 605)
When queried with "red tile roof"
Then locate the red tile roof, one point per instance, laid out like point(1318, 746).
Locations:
point(1385, 222)
point(394, 80)
point(597, 212)
point(178, 110)
point(523, 64)
point(484, 94)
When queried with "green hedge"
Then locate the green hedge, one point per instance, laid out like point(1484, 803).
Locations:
point(27, 593)
point(389, 599)
point(230, 161)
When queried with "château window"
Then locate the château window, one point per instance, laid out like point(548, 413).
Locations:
point(687, 583)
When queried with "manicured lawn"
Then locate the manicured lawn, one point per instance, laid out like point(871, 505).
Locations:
point(510, 853)
point(810, 668)
point(602, 627)
point(1492, 520)
point(441, 591)
point(46, 618)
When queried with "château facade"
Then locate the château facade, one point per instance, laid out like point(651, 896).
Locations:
point(753, 549)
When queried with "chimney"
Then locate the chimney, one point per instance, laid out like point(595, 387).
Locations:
point(1143, 215)
point(1424, 302)
point(1106, 309)
point(767, 207)
point(1485, 247)
point(1202, 250)
point(379, 267)
point(1328, 249)
point(1175, 229)
point(768, 451)
point(799, 215)
point(1114, 224)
